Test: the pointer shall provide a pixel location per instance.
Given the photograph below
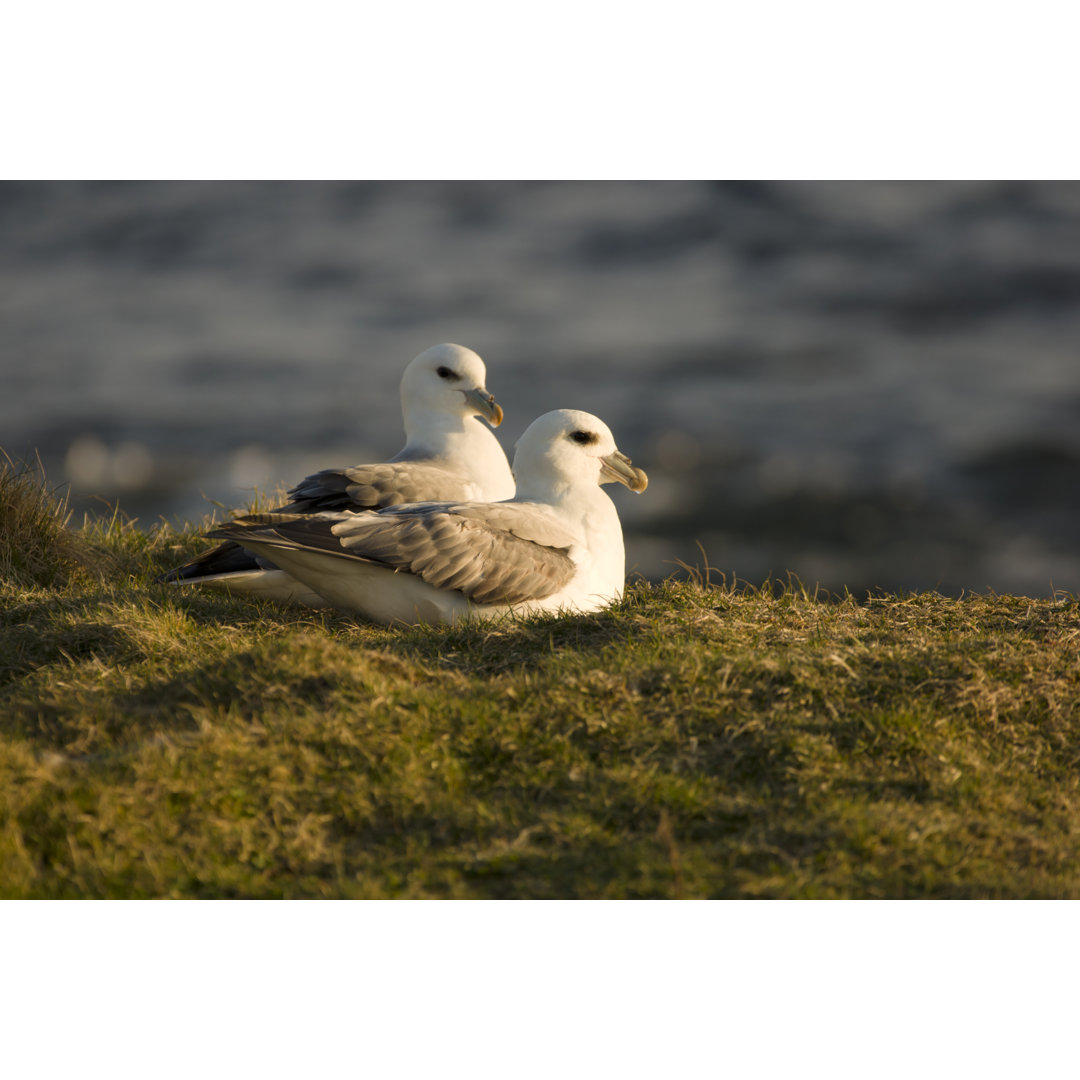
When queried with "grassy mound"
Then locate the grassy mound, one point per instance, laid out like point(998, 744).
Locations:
point(693, 741)
point(36, 548)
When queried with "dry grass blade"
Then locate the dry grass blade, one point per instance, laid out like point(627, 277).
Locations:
point(36, 547)
point(698, 739)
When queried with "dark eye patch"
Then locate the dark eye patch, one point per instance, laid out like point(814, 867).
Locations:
point(585, 438)
point(446, 373)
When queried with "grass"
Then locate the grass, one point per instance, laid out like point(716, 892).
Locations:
point(696, 740)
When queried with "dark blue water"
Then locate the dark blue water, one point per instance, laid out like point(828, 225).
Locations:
point(868, 385)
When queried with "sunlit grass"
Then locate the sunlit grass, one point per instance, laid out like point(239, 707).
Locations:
point(696, 740)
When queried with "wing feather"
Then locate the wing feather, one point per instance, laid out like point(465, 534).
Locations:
point(362, 487)
point(373, 487)
point(455, 547)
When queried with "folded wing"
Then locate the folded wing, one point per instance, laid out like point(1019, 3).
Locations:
point(492, 553)
point(373, 487)
point(362, 487)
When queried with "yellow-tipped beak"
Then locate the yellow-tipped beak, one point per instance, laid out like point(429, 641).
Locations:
point(616, 468)
point(485, 405)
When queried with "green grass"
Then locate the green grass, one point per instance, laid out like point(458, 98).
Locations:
point(693, 741)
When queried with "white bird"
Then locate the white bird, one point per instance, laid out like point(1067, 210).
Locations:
point(556, 546)
point(449, 455)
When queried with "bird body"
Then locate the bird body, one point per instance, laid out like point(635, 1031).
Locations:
point(449, 454)
point(556, 546)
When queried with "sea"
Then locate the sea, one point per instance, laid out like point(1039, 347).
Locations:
point(855, 386)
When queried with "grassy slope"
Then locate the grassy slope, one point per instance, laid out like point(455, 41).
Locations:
point(694, 742)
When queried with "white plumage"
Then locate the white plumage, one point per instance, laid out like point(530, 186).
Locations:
point(449, 455)
point(556, 546)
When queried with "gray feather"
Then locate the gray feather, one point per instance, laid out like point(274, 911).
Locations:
point(463, 547)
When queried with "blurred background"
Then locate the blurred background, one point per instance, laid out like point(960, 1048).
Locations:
point(868, 385)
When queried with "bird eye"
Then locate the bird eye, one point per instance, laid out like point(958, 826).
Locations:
point(584, 438)
point(446, 373)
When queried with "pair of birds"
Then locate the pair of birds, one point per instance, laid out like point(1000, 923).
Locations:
point(444, 530)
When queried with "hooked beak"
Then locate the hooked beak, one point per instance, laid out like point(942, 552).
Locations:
point(485, 405)
point(617, 468)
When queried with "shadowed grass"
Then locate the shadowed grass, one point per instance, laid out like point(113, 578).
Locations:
point(692, 741)
point(36, 548)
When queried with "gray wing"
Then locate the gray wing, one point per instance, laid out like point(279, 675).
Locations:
point(457, 547)
point(372, 487)
point(363, 487)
